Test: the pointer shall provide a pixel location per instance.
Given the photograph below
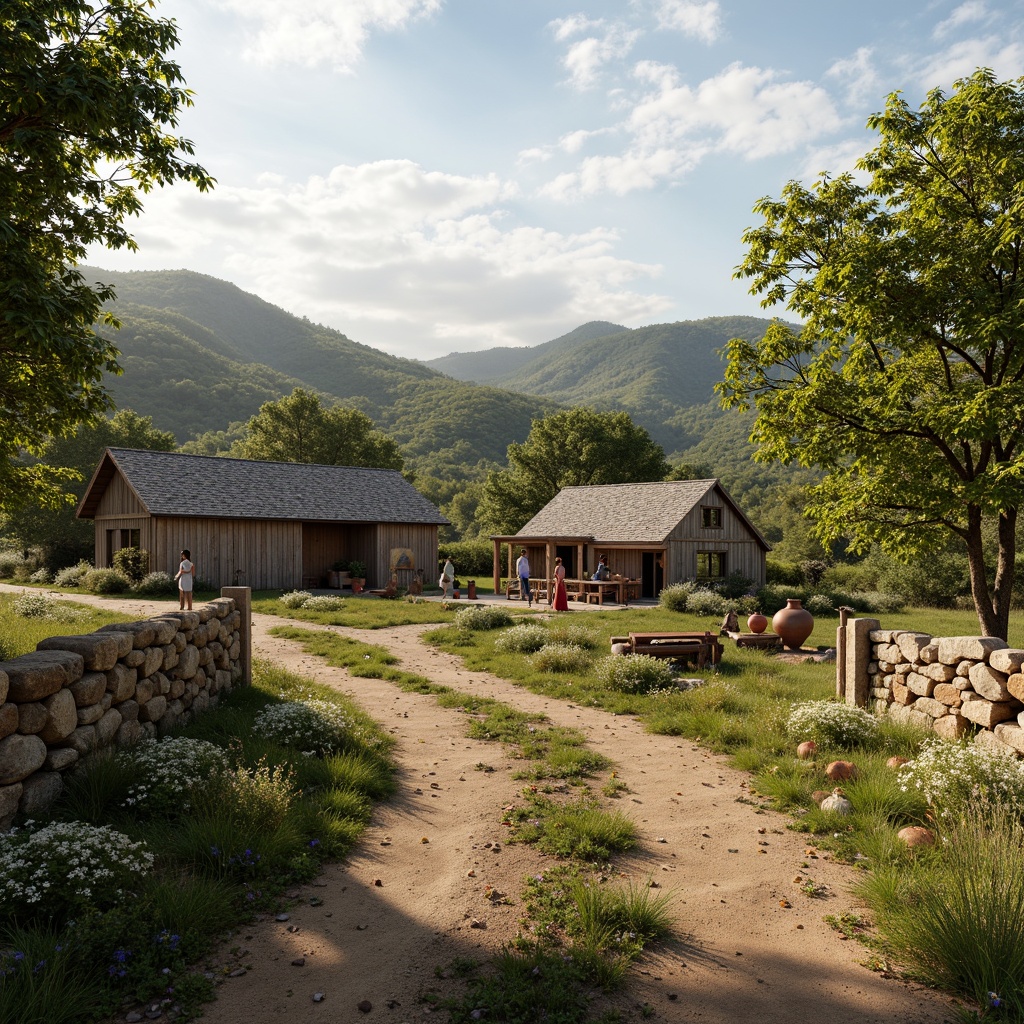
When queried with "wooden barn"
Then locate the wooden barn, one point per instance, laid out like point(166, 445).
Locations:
point(657, 533)
point(265, 525)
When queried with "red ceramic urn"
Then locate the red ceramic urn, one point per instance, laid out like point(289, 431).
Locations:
point(794, 623)
point(757, 623)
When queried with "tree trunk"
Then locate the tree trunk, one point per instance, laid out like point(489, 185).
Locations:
point(992, 606)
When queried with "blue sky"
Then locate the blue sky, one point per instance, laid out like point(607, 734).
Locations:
point(431, 176)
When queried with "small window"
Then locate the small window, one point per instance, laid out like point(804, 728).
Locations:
point(710, 564)
point(711, 517)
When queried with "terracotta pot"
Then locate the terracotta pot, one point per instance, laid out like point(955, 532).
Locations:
point(794, 623)
point(757, 623)
point(917, 835)
point(806, 750)
point(839, 771)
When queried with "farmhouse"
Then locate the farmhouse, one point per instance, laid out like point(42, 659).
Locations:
point(658, 533)
point(265, 525)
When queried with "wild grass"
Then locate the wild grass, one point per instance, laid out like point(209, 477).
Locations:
point(19, 634)
point(358, 612)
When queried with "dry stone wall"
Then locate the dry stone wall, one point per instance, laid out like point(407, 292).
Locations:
point(76, 695)
point(956, 686)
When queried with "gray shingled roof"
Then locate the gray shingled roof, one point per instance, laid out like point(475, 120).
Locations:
point(173, 484)
point(618, 513)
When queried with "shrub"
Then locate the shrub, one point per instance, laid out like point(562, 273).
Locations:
point(42, 575)
point(132, 563)
point(831, 723)
point(637, 673)
point(72, 575)
point(526, 638)
point(575, 633)
point(10, 562)
point(482, 616)
point(774, 596)
point(68, 868)
point(812, 570)
point(317, 726)
point(40, 606)
point(953, 776)
point(787, 573)
point(156, 584)
point(323, 603)
point(734, 585)
point(821, 606)
point(295, 598)
point(561, 658)
point(105, 581)
point(706, 602)
point(171, 773)
point(473, 557)
point(883, 604)
point(676, 596)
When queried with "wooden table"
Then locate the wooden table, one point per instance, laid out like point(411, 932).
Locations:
point(690, 646)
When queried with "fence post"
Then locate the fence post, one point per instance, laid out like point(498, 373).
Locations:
point(858, 654)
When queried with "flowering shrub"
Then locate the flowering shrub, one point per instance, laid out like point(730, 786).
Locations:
point(954, 776)
point(575, 633)
point(637, 673)
point(68, 867)
point(42, 575)
point(675, 596)
point(259, 797)
point(831, 723)
point(561, 658)
point(105, 581)
point(706, 602)
point(525, 638)
point(41, 606)
point(156, 584)
point(170, 774)
point(295, 598)
point(317, 726)
point(482, 617)
point(10, 562)
point(72, 575)
point(323, 603)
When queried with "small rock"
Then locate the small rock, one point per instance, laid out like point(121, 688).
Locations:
point(318, 997)
point(283, 917)
point(134, 1017)
point(378, 883)
point(315, 901)
point(662, 839)
point(365, 1006)
point(299, 961)
point(293, 928)
point(475, 923)
point(237, 972)
point(471, 873)
point(424, 840)
point(361, 927)
point(673, 996)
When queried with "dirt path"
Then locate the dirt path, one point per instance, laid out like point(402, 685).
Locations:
point(740, 955)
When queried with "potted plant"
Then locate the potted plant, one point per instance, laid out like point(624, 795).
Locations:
point(357, 570)
point(337, 575)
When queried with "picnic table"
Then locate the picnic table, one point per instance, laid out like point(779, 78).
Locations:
point(701, 647)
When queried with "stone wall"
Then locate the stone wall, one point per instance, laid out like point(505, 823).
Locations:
point(956, 686)
point(76, 695)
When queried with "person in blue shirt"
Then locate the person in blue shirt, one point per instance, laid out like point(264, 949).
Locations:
point(523, 572)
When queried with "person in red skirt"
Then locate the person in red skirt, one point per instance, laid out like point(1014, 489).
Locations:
point(561, 602)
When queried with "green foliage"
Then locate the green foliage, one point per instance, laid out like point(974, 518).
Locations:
point(87, 107)
point(524, 638)
point(72, 575)
point(482, 616)
point(132, 563)
point(471, 557)
point(105, 581)
point(19, 635)
point(562, 658)
point(637, 673)
point(300, 429)
point(831, 723)
point(571, 448)
point(904, 385)
point(156, 584)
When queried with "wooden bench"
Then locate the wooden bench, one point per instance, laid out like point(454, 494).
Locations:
point(702, 648)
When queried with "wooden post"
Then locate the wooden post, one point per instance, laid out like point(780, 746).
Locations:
point(242, 596)
point(841, 652)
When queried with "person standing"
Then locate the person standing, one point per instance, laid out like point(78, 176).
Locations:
point(186, 577)
point(561, 601)
point(447, 579)
point(523, 572)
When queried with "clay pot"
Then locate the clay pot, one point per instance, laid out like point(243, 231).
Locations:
point(757, 623)
point(839, 771)
point(916, 835)
point(895, 763)
point(794, 623)
point(806, 750)
point(837, 803)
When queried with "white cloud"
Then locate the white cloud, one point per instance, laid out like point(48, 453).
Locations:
point(745, 111)
point(965, 14)
point(586, 58)
point(314, 32)
point(702, 20)
point(840, 158)
point(398, 257)
point(858, 74)
point(961, 59)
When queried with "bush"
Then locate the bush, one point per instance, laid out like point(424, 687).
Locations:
point(323, 603)
point(525, 638)
point(953, 776)
point(831, 723)
point(132, 563)
point(318, 726)
point(295, 598)
point(156, 584)
point(676, 596)
point(561, 658)
point(68, 868)
point(10, 563)
point(774, 596)
point(472, 557)
point(105, 581)
point(169, 774)
point(787, 573)
point(40, 606)
point(636, 673)
point(821, 606)
point(706, 602)
point(42, 575)
point(482, 616)
point(734, 585)
point(575, 633)
point(72, 575)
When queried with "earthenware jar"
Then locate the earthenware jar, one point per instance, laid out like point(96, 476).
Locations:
point(794, 623)
point(757, 623)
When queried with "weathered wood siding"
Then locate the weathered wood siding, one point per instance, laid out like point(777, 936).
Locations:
point(420, 538)
point(119, 500)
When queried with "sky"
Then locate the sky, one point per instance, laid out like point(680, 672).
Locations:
point(430, 176)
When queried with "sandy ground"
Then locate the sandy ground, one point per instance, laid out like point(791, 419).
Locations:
point(414, 895)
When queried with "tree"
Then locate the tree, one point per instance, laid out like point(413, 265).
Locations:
point(571, 448)
point(298, 428)
point(906, 383)
point(87, 101)
point(61, 537)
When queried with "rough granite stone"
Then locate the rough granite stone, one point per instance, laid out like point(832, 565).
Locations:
point(40, 791)
point(951, 727)
point(31, 718)
point(989, 683)
point(40, 674)
point(61, 718)
point(20, 756)
point(988, 714)
point(91, 714)
point(1011, 734)
point(107, 726)
point(97, 650)
point(921, 685)
point(8, 719)
point(59, 759)
point(1007, 661)
point(953, 649)
point(89, 689)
